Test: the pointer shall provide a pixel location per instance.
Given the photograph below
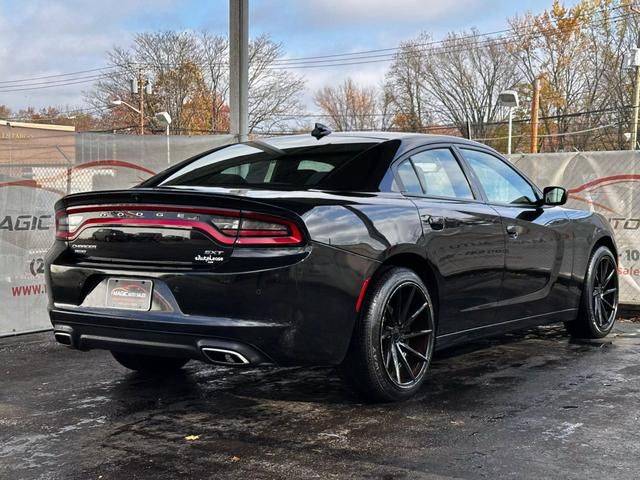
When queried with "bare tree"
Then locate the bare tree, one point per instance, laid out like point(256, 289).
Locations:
point(577, 54)
point(464, 77)
point(348, 106)
point(214, 51)
point(190, 74)
point(274, 93)
point(405, 87)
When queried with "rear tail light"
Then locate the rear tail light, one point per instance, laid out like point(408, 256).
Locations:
point(67, 224)
point(258, 229)
point(226, 226)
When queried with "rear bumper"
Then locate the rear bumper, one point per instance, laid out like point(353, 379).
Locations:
point(299, 314)
point(81, 332)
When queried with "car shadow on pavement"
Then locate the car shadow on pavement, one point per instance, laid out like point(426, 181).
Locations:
point(457, 371)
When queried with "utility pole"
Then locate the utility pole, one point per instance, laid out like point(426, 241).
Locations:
point(635, 60)
point(141, 86)
point(534, 116)
point(239, 68)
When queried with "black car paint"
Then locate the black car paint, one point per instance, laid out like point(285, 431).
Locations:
point(299, 305)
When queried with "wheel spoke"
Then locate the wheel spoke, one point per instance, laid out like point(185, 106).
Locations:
point(405, 308)
point(404, 361)
point(597, 306)
point(610, 291)
point(609, 277)
point(396, 365)
point(603, 271)
point(389, 311)
point(603, 319)
point(413, 352)
point(607, 303)
point(415, 315)
point(421, 333)
point(397, 311)
point(387, 360)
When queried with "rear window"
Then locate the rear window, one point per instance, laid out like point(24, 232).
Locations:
point(328, 166)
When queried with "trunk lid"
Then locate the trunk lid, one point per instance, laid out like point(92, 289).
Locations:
point(171, 227)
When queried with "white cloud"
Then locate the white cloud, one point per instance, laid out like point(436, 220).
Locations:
point(381, 11)
point(50, 37)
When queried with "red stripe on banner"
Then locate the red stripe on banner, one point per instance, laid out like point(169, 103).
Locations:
point(112, 163)
point(627, 177)
point(590, 202)
point(55, 178)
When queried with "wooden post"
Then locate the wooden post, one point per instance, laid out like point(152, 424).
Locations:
point(534, 116)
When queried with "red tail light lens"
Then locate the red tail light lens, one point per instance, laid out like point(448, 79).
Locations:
point(257, 229)
point(226, 226)
point(67, 224)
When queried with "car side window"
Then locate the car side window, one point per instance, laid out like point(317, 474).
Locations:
point(409, 179)
point(500, 182)
point(441, 174)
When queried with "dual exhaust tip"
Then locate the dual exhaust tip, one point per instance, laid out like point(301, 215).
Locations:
point(218, 356)
point(63, 338)
point(221, 356)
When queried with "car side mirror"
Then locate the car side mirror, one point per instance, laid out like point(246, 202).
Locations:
point(554, 196)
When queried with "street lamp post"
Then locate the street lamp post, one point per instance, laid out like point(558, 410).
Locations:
point(633, 61)
point(509, 99)
point(116, 102)
point(164, 119)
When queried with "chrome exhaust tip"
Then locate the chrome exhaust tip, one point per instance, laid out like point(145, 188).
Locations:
point(64, 338)
point(221, 356)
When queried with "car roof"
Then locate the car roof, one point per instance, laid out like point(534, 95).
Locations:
point(408, 139)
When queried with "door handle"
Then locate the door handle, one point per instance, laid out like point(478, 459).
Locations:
point(436, 223)
point(512, 231)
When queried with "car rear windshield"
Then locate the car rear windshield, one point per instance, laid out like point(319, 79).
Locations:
point(341, 165)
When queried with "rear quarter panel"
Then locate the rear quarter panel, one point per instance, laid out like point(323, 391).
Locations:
point(588, 228)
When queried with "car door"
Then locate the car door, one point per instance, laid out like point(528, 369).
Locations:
point(537, 260)
point(462, 237)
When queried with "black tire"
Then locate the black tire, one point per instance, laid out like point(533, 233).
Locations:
point(599, 301)
point(395, 327)
point(149, 364)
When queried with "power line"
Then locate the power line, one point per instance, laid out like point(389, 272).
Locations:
point(443, 48)
point(318, 61)
point(59, 75)
point(55, 83)
point(552, 135)
point(49, 85)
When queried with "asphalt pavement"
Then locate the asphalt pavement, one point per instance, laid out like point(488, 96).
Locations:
point(528, 405)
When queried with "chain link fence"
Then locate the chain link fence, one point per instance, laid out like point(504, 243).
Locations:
point(34, 177)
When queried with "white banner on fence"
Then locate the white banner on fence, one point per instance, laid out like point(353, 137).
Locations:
point(604, 182)
point(26, 233)
point(30, 184)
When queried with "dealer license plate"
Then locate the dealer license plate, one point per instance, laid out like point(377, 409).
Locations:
point(129, 294)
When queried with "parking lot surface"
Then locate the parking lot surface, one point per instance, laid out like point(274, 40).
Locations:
point(528, 405)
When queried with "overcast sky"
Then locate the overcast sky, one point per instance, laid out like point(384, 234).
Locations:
point(39, 37)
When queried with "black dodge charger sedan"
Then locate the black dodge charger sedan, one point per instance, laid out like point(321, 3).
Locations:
point(362, 250)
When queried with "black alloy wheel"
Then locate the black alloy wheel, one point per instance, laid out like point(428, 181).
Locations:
point(599, 302)
point(605, 293)
point(405, 335)
point(393, 341)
